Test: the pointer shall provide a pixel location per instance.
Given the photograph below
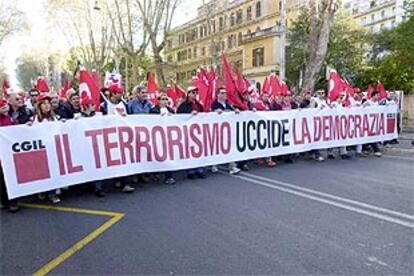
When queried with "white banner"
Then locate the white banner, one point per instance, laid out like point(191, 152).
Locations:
point(55, 154)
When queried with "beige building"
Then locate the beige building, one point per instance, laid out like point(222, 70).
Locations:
point(246, 30)
point(376, 15)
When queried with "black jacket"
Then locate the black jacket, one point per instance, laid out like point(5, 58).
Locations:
point(157, 110)
point(68, 111)
point(186, 107)
point(24, 114)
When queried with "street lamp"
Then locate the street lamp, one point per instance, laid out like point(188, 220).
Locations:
point(96, 6)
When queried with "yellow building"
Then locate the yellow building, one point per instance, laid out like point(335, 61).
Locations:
point(246, 30)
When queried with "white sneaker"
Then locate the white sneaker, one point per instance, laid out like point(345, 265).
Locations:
point(128, 189)
point(378, 154)
point(214, 169)
point(320, 159)
point(234, 170)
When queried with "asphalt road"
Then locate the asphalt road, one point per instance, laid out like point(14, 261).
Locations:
point(348, 217)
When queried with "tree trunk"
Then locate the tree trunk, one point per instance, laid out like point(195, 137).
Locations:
point(318, 42)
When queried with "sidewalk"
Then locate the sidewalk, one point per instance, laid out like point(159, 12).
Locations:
point(404, 147)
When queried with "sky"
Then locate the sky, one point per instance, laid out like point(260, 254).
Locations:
point(40, 34)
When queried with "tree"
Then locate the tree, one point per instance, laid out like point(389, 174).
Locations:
point(11, 19)
point(3, 73)
point(86, 29)
point(29, 67)
point(392, 56)
point(131, 38)
point(157, 17)
point(320, 18)
point(347, 46)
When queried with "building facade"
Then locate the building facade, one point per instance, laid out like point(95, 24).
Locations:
point(247, 31)
point(376, 15)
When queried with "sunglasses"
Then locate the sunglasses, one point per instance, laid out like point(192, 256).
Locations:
point(163, 99)
point(194, 92)
point(222, 92)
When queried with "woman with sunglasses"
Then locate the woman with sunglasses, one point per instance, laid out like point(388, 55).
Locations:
point(163, 109)
point(192, 106)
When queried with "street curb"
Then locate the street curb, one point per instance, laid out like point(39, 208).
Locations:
point(409, 152)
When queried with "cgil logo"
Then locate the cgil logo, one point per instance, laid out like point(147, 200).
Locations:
point(30, 161)
point(28, 146)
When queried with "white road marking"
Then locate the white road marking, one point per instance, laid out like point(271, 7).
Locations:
point(338, 198)
point(327, 201)
point(399, 157)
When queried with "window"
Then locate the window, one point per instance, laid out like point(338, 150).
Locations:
point(363, 20)
point(189, 53)
point(203, 51)
point(258, 57)
point(240, 39)
point(232, 19)
point(258, 29)
point(229, 42)
point(382, 27)
point(373, 4)
point(223, 45)
point(213, 25)
point(382, 14)
point(258, 9)
point(393, 23)
point(393, 10)
point(239, 17)
point(249, 13)
point(221, 24)
point(195, 52)
point(372, 18)
point(201, 31)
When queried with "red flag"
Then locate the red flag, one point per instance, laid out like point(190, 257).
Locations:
point(179, 91)
point(370, 90)
point(5, 87)
point(284, 89)
point(241, 84)
point(266, 86)
point(232, 92)
point(203, 90)
point(88, 87)
point(152, 88)
point(171, 94)
point(66, 86)
point(381, 90)
point(335, 86)
point(275, 86)
point(41, 85)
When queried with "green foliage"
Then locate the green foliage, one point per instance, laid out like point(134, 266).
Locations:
point(392, 58)
point(29, 67)
point(346, 47)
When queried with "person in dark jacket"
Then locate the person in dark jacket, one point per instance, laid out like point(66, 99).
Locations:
point(72, 106)
point(163, 109)
point(192, 106)
point(18, 112)
point(5, 121)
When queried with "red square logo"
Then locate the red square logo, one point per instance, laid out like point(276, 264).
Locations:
point(31, 166)
point(391, 123)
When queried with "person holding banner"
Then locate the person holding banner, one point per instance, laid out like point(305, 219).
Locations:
point(88, 111)
point(44, 113)
point(221, 105)
point(72, 106)
point(6, 120)
point(18, 112)
point(339, 104)
point(140, 104)
point(192, 106)
point(115, 105)
point(57, 105)
point(163, 109)
point(373, 101)
point(264, 105)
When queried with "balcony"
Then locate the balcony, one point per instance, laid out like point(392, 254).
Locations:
point(260, 34)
